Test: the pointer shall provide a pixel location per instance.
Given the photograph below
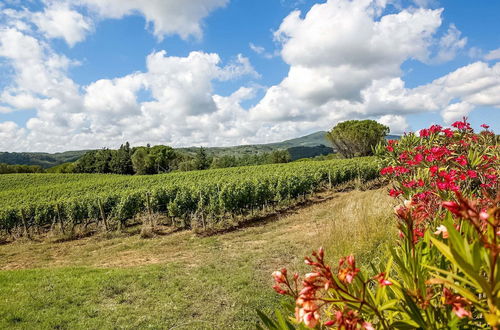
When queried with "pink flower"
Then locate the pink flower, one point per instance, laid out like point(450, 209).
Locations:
point(457, 302)
point(367, 326)
point(382, 280)
point(311, 319)
point(485, 126)
point(348, 273)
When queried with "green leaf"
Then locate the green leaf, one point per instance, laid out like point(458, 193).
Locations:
point(463, 291)
point(455, 276)
point(404, 325)
point(270, 324)
point(414, 311)
point(444, 249)
point(282, 322)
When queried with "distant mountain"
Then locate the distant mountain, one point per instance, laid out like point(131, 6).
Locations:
point(307, 146)
point(311, 140)
point(311, 145)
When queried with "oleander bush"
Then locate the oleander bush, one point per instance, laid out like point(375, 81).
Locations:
point(443, 272)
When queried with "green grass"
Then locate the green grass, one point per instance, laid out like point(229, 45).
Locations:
point(181, 281)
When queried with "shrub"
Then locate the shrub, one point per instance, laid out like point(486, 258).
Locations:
point(444, 270)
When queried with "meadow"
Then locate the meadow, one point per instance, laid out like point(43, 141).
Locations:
point(182, 280)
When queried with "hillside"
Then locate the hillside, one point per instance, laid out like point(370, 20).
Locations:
point(42, 159)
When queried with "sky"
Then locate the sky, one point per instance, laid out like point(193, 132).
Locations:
point(85, 74)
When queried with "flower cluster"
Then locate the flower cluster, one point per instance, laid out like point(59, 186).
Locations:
point(324, 288)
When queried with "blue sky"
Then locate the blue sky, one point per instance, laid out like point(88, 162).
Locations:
point(95, 73)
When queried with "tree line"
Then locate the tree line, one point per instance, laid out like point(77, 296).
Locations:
point(9, 169)
point(162, 159)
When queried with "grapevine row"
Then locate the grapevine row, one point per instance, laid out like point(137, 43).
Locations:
point(196, 199)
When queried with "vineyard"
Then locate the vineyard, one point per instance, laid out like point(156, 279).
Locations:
point(200, 199)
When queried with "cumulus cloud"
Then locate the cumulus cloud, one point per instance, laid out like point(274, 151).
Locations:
point(456, 111)
point(166, 16)
point(59, 21)
point(182, 108)
point(338, 52)
point(345, 62)
point(397, 124)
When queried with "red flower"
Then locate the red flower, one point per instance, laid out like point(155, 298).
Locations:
point(462, 160)
point(454, 207)
point(395, 193)
point(387, 170)
point(423, 132)
point(435, 128)
point(472, 174)
point(448, 132)
point(485, 126)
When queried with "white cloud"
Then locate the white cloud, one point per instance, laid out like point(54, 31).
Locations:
point(456, 111)
point(493, 55)
point(167, 16)
point(5, 109)
point(59, 21)
point(397, 124)
point(449, 45)
point(9, 131)
point(342, 54)
point(262, 51)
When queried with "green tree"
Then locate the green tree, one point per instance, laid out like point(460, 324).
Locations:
point(202, 162)
point(121, 163)
point(163, 158)
point(103, 160)
point(142, 162)
point(87, 163)
point(279, 156)
point(357, 137)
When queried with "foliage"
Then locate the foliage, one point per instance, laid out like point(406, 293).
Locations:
point(62, 168)
point(212, 198)
point(357, 137)
point(8, 169)
point(201, 161)
point(444, 272)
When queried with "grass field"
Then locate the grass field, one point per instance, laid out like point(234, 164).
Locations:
point(181, 281)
